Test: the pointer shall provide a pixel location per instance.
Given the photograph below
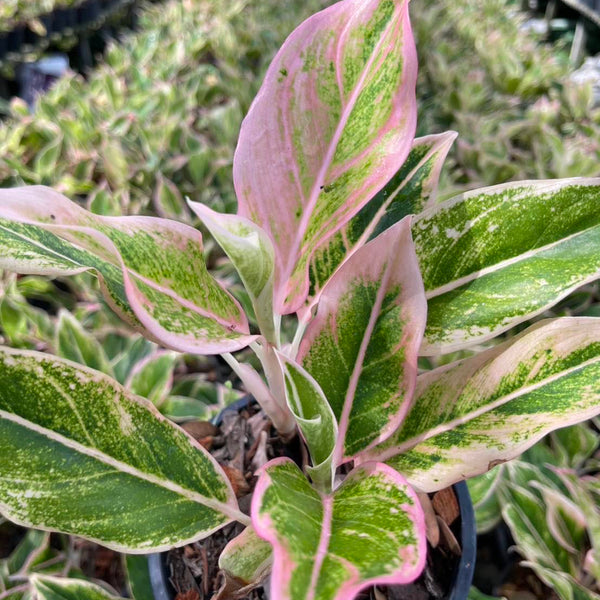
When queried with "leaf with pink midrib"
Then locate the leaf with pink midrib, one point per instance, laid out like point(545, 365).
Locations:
point(151, 270)
point(362, 346)
point(332, 123)
point(370, 530)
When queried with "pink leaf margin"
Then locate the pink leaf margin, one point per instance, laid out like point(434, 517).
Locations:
point(283, 564)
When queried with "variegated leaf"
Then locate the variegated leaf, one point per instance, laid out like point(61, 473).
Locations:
point(59, 588)
point(410, 191)
point(252, 254)
point(328, 547)
point(478, 412)
point(476, 252)
point(362, 346)
point(247, 558)
point(152, 271)
point(315, 419)
point(331, 124)
point(81, 455)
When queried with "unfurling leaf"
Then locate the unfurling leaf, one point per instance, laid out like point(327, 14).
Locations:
point(331, 124)
point(315, 420)
point(81, 455)
point(484, 410)
point(362, 346)
point(151, 271)
point(328, 547)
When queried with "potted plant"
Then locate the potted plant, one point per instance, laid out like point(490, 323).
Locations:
point(328, 175)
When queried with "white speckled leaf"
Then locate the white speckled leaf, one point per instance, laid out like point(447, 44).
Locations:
point(331, 124)
point(473, 414)
point(80, 454)
point(60, 588)
point(151, 270)
point(498, 256)
point(247, 557)
point(370, 530)
point(362, 346)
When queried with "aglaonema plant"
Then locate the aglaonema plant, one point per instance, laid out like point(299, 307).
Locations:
point(337, 223)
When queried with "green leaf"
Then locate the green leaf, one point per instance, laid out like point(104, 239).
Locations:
point(470, 415)
point(409, 192)
point(328, 547)
point(74, 343)
point(138, 576)
point(79, 454)
point(477, 250)
point(315, 419)
point(151, 271)
point(362, 346)
point(56, 588)
point(486, 502)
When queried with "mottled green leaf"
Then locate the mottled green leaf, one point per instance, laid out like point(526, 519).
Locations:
point(470, 415)
point(328, 547)
point(56, 588)
point(410, 191)
point(81, 455)
point(476, 252)
point(151, 271)
point(486, 501)
point(331, 124)
point(315, 420)
point(362, 346)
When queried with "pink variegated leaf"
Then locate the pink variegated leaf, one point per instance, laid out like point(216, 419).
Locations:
point(370, 530)
point(410, 191)
point(151, 271)
point(332, 123)
point(362, 346)
point(471, 415)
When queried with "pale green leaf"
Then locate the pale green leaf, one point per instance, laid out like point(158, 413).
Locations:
point(252, 254)
point(81, 455)
point(247, 558)
point(315, 420)
point(74, 343)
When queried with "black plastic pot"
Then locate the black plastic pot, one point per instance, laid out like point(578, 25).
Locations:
point(163, 590)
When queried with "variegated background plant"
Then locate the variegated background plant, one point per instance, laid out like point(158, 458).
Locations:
point(338, 223)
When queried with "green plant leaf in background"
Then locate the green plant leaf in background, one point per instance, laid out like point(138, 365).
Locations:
point(81, 455)
point(57, 588)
